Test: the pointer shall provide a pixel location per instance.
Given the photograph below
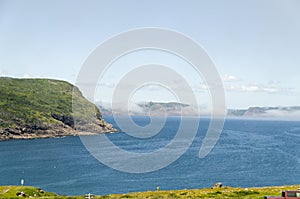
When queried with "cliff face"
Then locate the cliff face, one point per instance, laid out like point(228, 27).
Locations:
point(40, 108)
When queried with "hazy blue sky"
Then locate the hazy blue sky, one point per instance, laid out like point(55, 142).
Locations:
point(255, 44)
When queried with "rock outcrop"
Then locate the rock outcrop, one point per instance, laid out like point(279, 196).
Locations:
point(217, 185)
point(43, 108)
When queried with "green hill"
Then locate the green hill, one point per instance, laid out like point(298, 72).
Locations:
point(37, 108)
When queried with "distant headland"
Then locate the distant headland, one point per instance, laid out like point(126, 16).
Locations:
point(181, 109)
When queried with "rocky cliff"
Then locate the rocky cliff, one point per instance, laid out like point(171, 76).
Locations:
point(41, 108)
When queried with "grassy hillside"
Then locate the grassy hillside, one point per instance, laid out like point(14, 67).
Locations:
point(12, 191)
point(35, 105)
point(207, 193)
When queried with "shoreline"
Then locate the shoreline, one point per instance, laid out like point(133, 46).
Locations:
point(31, 136)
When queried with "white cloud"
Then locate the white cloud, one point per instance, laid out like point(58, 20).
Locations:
point(274, 82)
point(257, 88)
point(153, 87)
point(200, 87)
point(229, 78)
point(107, 84)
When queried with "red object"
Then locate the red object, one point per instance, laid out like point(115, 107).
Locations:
point(286, 195)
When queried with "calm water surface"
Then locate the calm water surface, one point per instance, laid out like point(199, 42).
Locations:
point(248, 153)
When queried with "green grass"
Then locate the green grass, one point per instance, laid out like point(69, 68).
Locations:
point(32, 102)
point(11, 192)
point(206, 193)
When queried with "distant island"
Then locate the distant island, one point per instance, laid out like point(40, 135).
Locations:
point(177, 109)
point(42, 108)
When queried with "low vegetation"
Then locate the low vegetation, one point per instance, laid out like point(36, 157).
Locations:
point(206, 193)
point(35, 101)
point(24, 192)
point(44, 106)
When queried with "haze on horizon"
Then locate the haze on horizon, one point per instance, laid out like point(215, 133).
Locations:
point(254, 44)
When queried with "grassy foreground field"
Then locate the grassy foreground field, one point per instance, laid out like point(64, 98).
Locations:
point(207, 193)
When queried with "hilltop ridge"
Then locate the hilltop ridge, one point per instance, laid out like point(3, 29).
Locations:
point(41, 108)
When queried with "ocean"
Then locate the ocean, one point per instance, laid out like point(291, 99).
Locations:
point(249, 153)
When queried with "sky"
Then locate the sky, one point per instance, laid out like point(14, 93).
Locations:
point(254, 44)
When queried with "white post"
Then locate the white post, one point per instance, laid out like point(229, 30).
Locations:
point(22, 182)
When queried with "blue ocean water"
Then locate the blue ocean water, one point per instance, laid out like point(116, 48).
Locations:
point(248, 153)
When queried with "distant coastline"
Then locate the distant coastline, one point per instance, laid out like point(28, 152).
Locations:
point(180, 109)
